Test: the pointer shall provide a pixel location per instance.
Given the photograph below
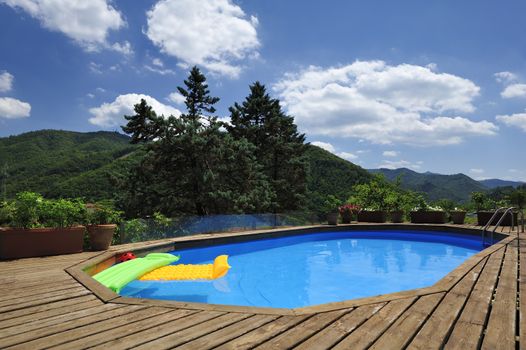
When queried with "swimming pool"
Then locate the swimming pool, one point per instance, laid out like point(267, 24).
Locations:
point(317, 268)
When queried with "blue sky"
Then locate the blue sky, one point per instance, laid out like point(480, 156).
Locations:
point(430, 85)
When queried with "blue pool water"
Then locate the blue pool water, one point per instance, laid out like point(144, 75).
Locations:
point(318, 268)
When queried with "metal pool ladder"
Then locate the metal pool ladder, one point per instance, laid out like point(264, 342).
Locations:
point(506, 211)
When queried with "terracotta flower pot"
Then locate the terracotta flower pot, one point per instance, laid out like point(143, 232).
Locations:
point(372, 216)
point(100, 236)
point(27, 243)
point(397, 216)
point(332, 218)
point(428, 217)
point(458, 217)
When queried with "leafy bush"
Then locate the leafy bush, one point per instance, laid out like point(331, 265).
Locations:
point(62, 212)
point(31, 210)
point(7, 210)
point(481, 201)
point(331, 204)
point(103, 213)
point(27, 210)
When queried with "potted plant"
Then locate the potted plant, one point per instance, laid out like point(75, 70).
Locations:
point(458, 215)
point(371, 198)
point(34, 226)
point(424, 214)
point(102, 223)
point(347, 211)
point(395, 202)
point(484, 207)
point(331, 206)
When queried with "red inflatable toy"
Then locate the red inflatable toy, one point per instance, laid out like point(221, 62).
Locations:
point(126, 256)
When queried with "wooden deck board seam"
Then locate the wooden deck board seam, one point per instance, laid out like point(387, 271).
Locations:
point(343, 336)
point(495, 286)
point(452, 327)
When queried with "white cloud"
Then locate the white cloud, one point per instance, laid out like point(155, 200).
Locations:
point(347, 155)
point(216, 34)
point(395, 164)
point(177, 98)
point(95, 67)
point(6, 81)
point(514, 90)
point(382, 104)
point(390, 154)
point(112, 114)
point(330, 148)
point(325, 145)
point(90, 95)
point(517, 119)
point(158, 70)
point(12, 108)
point(157, 62)
point(505, 77)
point(125, 47)
point(476, 171)
point(86, 22)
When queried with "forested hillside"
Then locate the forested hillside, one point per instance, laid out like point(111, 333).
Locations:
point(71, 164)
point(48, 160)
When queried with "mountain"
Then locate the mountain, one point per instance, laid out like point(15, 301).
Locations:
point(329, 174)
point(493, 183)
point(45, 161)
point(60, 163)
point(457, 187)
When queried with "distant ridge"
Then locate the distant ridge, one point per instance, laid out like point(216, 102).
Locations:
point(493, 183)
point(457, 187)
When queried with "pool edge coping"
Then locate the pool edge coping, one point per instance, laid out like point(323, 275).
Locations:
point(445, 284)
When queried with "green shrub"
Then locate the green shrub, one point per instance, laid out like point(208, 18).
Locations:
point(7, 210)
point(27, 208)
point(62, 212)
point(104, 213)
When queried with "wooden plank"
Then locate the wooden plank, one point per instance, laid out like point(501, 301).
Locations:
point(500, 331)
point(45, 307)
point(46, 315)
point(191, 333)
point(147, 335)
point(302, 331)
point(263, 333)
point(73, 293)
point(119, 332)
point(468, 329)
point(366, 334)
point(40, 334)
point(15, 294)
point(401, 332)
point(52, 293)
point(436, 329)
point(221, 336)
point(48, 322)
point(330, 335)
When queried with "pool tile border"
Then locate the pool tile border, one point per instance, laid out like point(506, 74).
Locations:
point(82, 272)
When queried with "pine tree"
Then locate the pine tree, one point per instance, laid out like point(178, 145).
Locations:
point(280, 148)
point(198, 168)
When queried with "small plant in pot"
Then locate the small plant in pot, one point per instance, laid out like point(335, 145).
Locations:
point(395, 201)
point(102, 223)
point(331, 206)
point(347, 211)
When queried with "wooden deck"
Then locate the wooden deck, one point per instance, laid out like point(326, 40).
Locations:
point(42, 306)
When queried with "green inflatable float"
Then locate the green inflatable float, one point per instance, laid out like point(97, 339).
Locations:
point(117, 276)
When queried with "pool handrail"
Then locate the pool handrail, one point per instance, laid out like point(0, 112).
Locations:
point(490, 221)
